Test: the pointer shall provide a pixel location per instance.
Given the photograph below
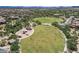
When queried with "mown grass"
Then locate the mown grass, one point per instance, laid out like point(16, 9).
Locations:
point(46, 39)
point(48, 19)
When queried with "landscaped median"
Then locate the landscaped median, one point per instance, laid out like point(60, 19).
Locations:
point(44, 39)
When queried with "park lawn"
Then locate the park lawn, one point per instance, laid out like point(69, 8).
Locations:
point(48, 19)
point(46, 39)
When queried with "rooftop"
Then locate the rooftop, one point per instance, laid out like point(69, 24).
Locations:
point(75, 23)
point(2, 20)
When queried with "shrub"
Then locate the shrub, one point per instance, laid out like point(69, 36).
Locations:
point(38, 22)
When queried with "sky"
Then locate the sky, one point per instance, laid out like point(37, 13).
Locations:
point(39, 2)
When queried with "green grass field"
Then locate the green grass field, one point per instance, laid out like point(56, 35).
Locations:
point(45, 39)
point(48, 19)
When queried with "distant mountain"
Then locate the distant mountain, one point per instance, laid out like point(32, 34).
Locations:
point(75, 6)
point(55, 7)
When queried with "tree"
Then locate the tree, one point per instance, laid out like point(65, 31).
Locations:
point(55, 24)
point(38, 22)
point(3, 42)
point(15, 47)
point(34, 24)
point(13, 36)
point(71, 43)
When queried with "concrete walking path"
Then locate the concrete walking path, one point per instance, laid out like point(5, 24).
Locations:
point(65, 45)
